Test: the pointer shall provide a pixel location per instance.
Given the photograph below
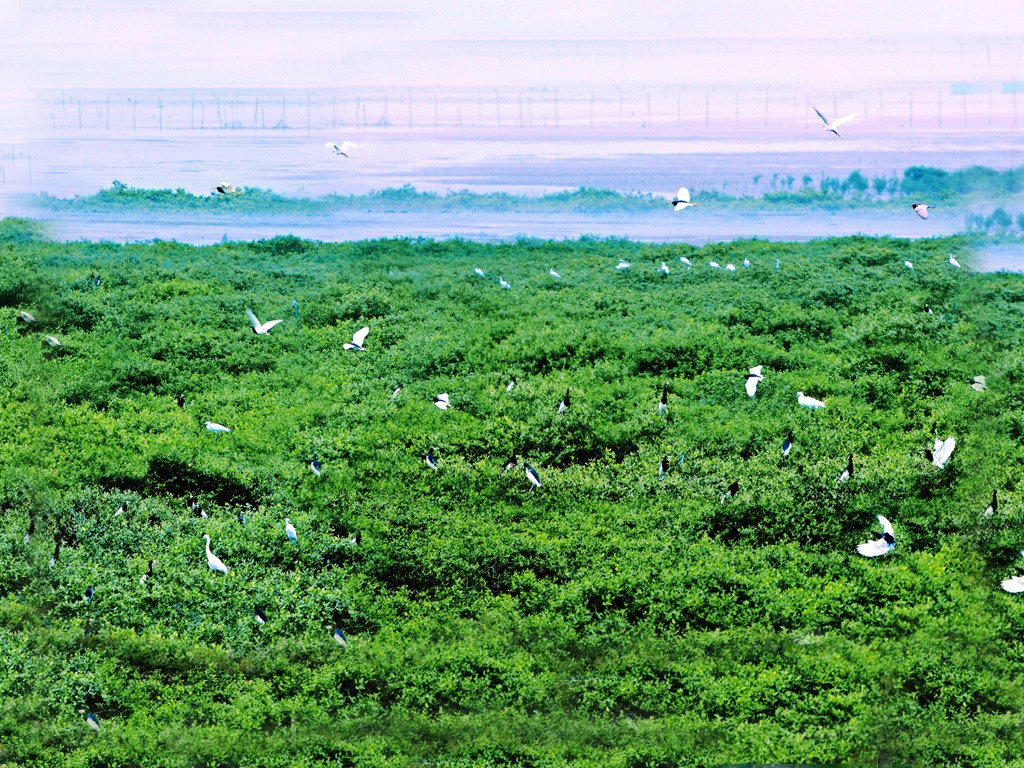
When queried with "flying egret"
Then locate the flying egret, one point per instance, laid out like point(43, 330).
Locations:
point(225, 189)
point(93, 722)
point(53, 341)
point(941, 451)
point(504, 283)
point(564, 405)
point(787, 445)
point(533, 477)
point(682, 200)
point(26, 317)
point(731, 491)
point(746, 263)
point(441, 401)
point(341, 149)
point(260, 329)
point(261, 617)
point(752, 378)
point(978, 384)
point(663, 403)
point(847, 473)
point(212, 560)
point(953, 262)
point(808, 402)
point(289, 531)
point(663, 467)
point(480, 272)
point(714, 265)
point(340, 639)
point(148, 574)
point(315, 466)
point(511, 384)
point(623, 264)
point(1016, 584)
point(357, 339)
point(663, 268)
point(218, 429)
point(993, 506)
point(429, 459)
point(832, 126)
point(879, 546)
point(554, 274)
point(730, 267)
point(921, 209)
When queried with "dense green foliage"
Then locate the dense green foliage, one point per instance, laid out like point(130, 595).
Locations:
point(609, 618)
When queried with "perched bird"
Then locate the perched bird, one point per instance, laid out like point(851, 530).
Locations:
point(511, 385)
point(53, 341)
point(921, 209)
point(978, 384)
point(731, 491)
point(260, 329)
point(714, 265)
point(315, 465)
point(993, 506)
point(93, 722)
point(122, 509)
point(663, 403)
point(212, 560)
point(847, 473)
point(26, 317)
point(148, 574)
point(835, 124)
point(953, 262)
point(663, 268)
point(554, 274)
point(357, 339)
point(430, 460)
point(928, 310)
point(663, 466)
point(289, 531)
point(808, 402)
point(216, 428)
point(879, 546)
point(261, 617)
point(89, 592)
point(480, 272)
point(684, 260)
point(908, 265)
point(181, 401)
point(340, 639)
point(504, 283)
point(1016, 584)
point(787, 445)
point(941, 451)
point(341, 149)
point(441, 401)
point(564, 405)
point(225, 189)
point(778, 265)
point(752, 379)
point(730, 267)
point(746, 263)
point(395, 393)
point(533, 477)
point(682, 200)
point(623, 264)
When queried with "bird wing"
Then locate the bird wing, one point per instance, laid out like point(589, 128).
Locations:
point(1016, 584)
point(271, 324)
point(253, 319)
point(844, 119)
point(360, 336)
point(756, 370)
point(347, 145)
point(944, 451)
point(873, 548)
point(823, 118)
point(751, 386)
point(886, 526)
point(443, 397)
point(683, 195)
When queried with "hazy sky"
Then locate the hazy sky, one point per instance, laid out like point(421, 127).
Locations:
point(302, 43)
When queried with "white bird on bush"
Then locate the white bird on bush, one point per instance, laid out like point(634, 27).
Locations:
point(921, 209)
point(623, 264)
point(835, 124)
point(564, 405)
point(746, 263)
point(714, 265)
point(480, 272)
point(730, 267)
point(441, 401)
point(93, 722)
point(554, 274)
point(978, 384)
point(504, 284)
point(26, 317)
point(533, 477)
point(879, 546)
point(53, 341)
point(217, 429)
point(663, 404)
point(340, 639)
point(663, 268)
point(908, 265)
point(682, 200)
point(1016, 584)
point(357, 339)
point(212, 560)
point(953, 262)
point(847, 473)
point(808, 402)
point(511, 385)
point(941, 451)
point(752, 378)
point(993, 506)
point(289, 531)
point(684, 260)
point(260, 329)
point(341, 149)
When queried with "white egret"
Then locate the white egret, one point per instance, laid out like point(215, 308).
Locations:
point(730, 267)
point(289, 531)
point(212, 560)
point(216, 428)
point(148, 574)
point(714, 265)
point(511, 385)
point(808, 402)
point(787, 445)
point(778, 265)
point(663, 268)
point(978, 384)
point(682, 200)
point(430, 460)
point(480, 272)
point(341, 149)
point(260, 329)
point(993, 506)
point(746, 263)
point(53, 341)
point(93, 722)
point(752, 378)
point(554, 274)
point(26, 317)
point(731, 491)
point(941, 451)
point(847, 473)
point(921, 209)
point(882, 545)
point(684, 260)
point(533, 477)
point(504, 284)
point(261, 617)
point(340, 639)
point(564, 405)
point(441, 401)
point(357, 339)
point(663, 403)
point(835, 124)
point(953, 262)
point(623, 264)
point(395, 393)
point(1016, 584)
